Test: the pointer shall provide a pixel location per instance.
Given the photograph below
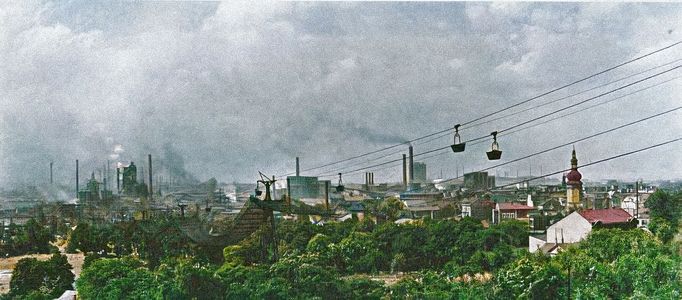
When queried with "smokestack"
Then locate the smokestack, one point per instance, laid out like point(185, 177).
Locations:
point(108, 170)
point(411, 164)
point(298, 170)
point(118, 180)
point(326, 194)
point(288, 189)
point(404, 170)
point(50, 172)
point(104, 182)
point(151, 189)
point(371, 178)
point(76, 178)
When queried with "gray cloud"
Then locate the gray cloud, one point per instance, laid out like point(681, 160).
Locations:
point(236, 87)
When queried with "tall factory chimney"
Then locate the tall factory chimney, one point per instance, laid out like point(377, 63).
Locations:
point(404, 170)
point(151, 189)
point(50, 172)
point(104, 180)
point(108, 170)
point(298, 170)
point(411, 164)
point(76, 178)
point(326, 194)
point(118, 179)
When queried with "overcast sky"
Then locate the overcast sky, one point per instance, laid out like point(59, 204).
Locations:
point(234, 88)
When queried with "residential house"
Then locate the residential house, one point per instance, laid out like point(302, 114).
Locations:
point(577, 225)
point(511, 211)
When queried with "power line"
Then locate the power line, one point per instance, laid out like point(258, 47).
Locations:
point(580, 139)
point(501, 110)
point(575, 94)
point(574, 141)
point(573, 83)
point(515, 113)
point(595, 162)
point(524, 122)
point(591, 98)
point(584, 109)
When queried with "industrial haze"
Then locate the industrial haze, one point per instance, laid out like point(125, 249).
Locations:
point(226, 89)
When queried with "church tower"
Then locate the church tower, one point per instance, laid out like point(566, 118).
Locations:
point(574, 185)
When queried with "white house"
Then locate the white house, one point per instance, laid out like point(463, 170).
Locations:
point(576, 226)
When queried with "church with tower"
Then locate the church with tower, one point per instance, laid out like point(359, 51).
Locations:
point(574, 186)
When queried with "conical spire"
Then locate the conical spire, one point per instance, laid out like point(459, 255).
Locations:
point(574, 160)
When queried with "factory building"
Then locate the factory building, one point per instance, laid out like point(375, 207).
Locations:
point(300, 187)
point(479, 180)
point(419, 172)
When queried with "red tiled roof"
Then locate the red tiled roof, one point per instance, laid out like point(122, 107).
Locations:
point(514, 206)
point(606, 216)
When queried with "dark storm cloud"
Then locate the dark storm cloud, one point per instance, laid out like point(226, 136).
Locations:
point(237, 87)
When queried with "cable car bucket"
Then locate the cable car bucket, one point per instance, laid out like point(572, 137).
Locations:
point(457, 145)
point(258, 191)
point(494, 153)
point(340, 187)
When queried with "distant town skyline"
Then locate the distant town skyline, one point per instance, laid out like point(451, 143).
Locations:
point(228, 89)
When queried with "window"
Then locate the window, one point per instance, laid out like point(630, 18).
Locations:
point(508, 215)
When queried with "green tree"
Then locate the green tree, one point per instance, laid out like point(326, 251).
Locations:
point(391, 208)
point(531, 277)
point(360, 254)
point(188, 279)
point(662, 204)
point(49, 278)
point(362, 287)
point(117, 278)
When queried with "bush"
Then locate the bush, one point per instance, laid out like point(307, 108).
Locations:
point(32, 278)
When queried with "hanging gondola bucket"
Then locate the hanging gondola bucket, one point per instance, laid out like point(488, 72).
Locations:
point(259, 192)
point(457, 145)
point(494, 153)
point(340, 188)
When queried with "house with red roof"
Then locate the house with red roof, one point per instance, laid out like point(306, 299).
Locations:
point(577, 225)
point(511, 211)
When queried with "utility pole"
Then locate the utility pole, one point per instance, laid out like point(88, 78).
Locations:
point(637, 199)
point(76, 179)
point(268, 214)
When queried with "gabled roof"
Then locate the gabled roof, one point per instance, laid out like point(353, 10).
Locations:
point(514, 206)
point(606, 216)
point(549, 247)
